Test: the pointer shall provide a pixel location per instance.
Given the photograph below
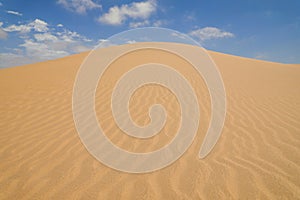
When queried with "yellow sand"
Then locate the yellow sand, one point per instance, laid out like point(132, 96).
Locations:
point(257, 156)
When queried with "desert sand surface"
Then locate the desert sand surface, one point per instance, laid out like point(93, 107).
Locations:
point(256, 157)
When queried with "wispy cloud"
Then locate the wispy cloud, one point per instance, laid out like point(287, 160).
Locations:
point(117, 15)
point(208, 33)
point(14, 12)
point(79, 6)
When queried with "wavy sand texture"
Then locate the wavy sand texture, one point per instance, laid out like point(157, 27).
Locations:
point(257, 156)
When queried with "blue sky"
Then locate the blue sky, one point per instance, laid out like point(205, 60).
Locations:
point(35, 30)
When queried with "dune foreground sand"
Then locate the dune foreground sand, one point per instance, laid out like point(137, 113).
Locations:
point(256, 157)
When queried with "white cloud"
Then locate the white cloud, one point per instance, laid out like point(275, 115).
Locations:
point(79, 6)
point(71, 36)
point(41, 51)
point(68, 41)
point(3, 34)
point(60, 25)
point(208, 33)
point(136, 10)
point(103, 40)
point(39, 25)
point(45, 37)
point(14, 13)
point(36, 25)
point(139, 24)
point(18, 28)
point(1, 4)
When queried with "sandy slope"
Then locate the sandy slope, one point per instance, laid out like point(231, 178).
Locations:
point(257, 156)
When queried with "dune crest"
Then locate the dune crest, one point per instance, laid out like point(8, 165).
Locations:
point(256, 157)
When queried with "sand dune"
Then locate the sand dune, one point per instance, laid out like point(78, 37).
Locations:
point(257, 156)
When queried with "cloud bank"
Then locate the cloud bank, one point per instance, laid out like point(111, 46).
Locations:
point(41, 41)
